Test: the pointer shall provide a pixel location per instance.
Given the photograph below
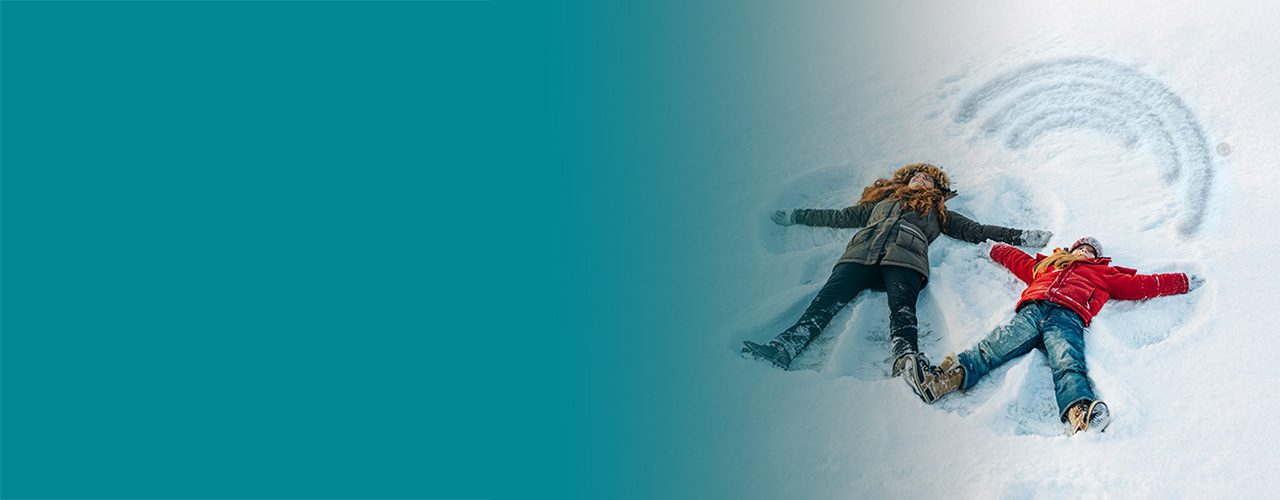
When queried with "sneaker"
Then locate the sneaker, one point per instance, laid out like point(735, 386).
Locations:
point(771, 352)
point(931, 383)
point(1087, 415)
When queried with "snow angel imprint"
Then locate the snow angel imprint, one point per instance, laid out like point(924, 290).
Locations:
point(1064, 292)
point(899, 218)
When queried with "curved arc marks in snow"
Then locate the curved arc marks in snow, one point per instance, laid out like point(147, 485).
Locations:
point(1110, 98)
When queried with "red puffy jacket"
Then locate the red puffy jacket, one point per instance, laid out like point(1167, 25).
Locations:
point(1085, 286)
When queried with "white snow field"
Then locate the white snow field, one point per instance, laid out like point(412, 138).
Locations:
point(1150, 126)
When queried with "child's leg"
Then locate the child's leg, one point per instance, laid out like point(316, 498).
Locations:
point(1064, 345)
point(1018, 337)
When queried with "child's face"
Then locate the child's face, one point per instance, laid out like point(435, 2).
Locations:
point(1085, 251)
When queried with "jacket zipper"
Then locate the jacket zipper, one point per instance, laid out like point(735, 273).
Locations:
point(1057, 285)
point(896, 214)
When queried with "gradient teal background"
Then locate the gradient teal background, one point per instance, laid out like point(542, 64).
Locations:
point(368, 249)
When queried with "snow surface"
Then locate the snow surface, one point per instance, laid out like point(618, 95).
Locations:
point(1150, 126)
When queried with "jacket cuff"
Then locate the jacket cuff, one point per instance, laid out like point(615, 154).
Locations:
point(995, 247)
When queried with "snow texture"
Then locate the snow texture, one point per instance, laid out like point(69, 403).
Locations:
point(1149, 126)
point(1102, 95)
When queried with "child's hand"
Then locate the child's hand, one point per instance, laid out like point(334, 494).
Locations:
point(984, 248)
point(1193, 282)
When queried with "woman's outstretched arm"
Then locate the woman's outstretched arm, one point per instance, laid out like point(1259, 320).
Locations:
point(855, 216)
point(965, 229)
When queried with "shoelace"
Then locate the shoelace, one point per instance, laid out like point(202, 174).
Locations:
point(1082, 419)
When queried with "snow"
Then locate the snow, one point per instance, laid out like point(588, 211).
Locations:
point(1150, 126)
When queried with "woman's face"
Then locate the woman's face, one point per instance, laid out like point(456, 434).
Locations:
point(1085, 251)
point(921, 179)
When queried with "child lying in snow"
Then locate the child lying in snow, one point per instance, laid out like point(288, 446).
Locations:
point(1065, 291)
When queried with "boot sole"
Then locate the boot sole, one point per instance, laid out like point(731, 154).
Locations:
point(1099, 417)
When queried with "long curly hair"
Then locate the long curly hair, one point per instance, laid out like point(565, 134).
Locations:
point(1061, 258)
point(918, 199)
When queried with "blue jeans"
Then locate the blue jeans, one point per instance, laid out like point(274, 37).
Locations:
point(1055, 329)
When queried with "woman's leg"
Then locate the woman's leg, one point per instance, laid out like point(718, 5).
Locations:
point(846, 281)
point(903, 286)
point(1064, 345)
point(1010, 341)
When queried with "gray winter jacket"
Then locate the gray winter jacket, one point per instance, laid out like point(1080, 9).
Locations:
point(893, 236)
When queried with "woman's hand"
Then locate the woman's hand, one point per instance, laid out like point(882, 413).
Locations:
point(785, 217)
point(1036, 238)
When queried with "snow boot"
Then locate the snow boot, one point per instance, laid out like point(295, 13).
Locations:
point(1087, 415)
point(908, 361)
point(771, 352)
point(904, 354)
point(914, 368)
point(932, 382)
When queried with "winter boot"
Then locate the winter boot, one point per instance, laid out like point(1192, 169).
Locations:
point(903, 352)
point(771, 352)
point(931, 383)
point(914, 368)
point(1087, 415)
point(908, 361)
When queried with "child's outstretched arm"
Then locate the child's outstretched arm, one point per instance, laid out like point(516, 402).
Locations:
point(1017, 261)
point(1144, 286)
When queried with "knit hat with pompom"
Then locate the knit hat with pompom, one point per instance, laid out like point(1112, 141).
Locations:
point(1088, 240)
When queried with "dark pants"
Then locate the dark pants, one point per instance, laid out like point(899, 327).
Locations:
point(846, 282)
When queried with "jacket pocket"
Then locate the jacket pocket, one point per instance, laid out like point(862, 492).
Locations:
point(911, 229)
point(911, 240)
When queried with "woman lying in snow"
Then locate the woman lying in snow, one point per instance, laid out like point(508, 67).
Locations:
point(899, 218)
point(1065, 291)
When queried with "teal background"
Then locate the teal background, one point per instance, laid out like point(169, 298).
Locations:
point(368, 249)
point(279, 249)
